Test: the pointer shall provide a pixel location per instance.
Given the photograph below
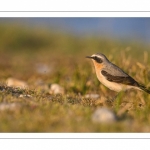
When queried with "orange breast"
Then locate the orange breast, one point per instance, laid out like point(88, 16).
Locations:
point(98, 66)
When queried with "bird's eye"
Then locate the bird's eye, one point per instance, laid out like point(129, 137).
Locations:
point(98, 60)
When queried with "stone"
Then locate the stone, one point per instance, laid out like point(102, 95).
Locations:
point(56, 89)
point(25, 96)
point(103, 115)
point(12, 82)
point(93, 96)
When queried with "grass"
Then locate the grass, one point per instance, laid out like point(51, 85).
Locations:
point(35, 110)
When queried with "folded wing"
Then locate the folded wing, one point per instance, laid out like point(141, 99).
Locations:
point(120, 79)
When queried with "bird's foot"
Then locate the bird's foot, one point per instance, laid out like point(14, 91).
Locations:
point(112, 99)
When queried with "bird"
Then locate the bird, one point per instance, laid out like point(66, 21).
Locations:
point(112, 76)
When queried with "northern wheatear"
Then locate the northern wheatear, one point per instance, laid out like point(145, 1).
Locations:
point(112, 76)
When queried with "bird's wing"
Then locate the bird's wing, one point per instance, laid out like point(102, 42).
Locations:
point(119, 79)
point(115, 70)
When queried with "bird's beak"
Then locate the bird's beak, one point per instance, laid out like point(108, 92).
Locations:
point(89, 57)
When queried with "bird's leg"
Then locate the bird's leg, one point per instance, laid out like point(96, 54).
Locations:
point(115, 97)
point(119, 95)
point(118, 99)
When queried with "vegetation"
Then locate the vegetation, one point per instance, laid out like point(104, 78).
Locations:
point(22, 49)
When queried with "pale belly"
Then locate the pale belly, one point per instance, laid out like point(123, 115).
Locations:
point(112, 85)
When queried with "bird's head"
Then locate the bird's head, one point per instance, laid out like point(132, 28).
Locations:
point(98, 59)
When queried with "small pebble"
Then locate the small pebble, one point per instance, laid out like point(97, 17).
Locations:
point(93, 96)
point(12, 82)
point(25, 96)
point(56, 89)
point(103, 115)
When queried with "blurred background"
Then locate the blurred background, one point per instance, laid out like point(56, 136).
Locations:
point(14, 32)
point(44, 42)
point(124, 28)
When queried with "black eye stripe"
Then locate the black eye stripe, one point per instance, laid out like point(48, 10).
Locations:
point(98, 60)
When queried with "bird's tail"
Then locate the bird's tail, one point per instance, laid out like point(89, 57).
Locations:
point(142, 87)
